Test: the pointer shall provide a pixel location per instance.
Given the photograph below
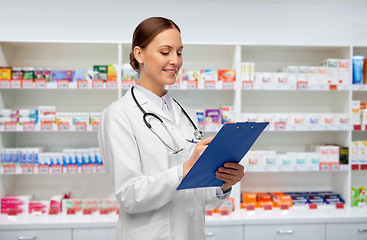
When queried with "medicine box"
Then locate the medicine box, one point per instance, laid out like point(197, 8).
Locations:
point(312, 119)
point(313, 75)
point(327, 119)
point(343, 71)
point(228, 114)
point(265, 117)
point(364, 116)
point(292, 74)
point(322, 75)
point(100, 72)
point(94, 118)
point(208, 75)
point(279, 78)
point(303, 74)
point(80, 117)
point(5, 73)
point(192, 75)
point(362, 152)
point(356, 119)
point(354, 152)
point(227, 75)
point(51, 118)
point(46, 110)
point(332, 70)
point(263, 78)
point(62, 75)
point(64, 118)
point(248, 117)
point(20, 203)
point(245, 71)
point(252, 72)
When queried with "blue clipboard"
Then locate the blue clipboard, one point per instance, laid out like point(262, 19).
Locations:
point(230, 144)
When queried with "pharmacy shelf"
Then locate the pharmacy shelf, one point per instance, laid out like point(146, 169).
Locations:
point(295, 215)
point(359, 87)
point(48, 128)
point(303, 128)
point(294, 87)
point(49, 170)
point(295, 168)
point(62, 85)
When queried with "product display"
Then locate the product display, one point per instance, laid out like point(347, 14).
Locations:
point(212, 119)
point(358, 195)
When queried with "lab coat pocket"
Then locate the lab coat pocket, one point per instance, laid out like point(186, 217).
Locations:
point(159, 230)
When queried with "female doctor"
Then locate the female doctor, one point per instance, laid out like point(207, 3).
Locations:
point(142, 139)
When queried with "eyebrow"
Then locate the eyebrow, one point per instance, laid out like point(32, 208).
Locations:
point(170, 46)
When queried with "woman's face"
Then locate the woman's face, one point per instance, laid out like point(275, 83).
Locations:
point(161, 60)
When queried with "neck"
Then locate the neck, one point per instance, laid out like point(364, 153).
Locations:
point(149, 84)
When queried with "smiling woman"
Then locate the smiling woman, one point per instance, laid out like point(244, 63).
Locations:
point(142, 139)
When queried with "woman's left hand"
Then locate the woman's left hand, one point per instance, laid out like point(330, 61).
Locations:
point(231, 173)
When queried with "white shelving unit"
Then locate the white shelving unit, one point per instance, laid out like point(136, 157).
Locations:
point(83, 55)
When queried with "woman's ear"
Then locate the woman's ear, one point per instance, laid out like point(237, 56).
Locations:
point(138, 54)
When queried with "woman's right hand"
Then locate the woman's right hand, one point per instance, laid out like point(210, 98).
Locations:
point(199, 149)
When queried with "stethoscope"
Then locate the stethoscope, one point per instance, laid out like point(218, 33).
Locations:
point(199, 135)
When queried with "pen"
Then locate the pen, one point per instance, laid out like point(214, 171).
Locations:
point(191, 140)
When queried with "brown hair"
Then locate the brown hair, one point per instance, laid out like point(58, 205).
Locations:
point(145, 32)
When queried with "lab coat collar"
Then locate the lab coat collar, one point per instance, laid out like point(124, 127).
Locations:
point(152, 107)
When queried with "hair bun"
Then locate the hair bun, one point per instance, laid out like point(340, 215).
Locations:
point(134, 63)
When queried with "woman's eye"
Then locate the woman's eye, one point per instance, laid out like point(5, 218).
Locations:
point(165, 53)
point(179, 54)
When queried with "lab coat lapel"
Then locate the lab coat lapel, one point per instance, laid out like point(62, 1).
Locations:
point(177, 111)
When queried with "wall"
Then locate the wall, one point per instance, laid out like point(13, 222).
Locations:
point(267, 22)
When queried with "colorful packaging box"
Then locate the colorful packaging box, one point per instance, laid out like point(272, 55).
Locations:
point(64, 118)
point(93, 205)
point(213, 116)
point(356, 113)
point(17, 73)
point(364, 116)
point(228, 114)
point(343, 71)
point(208, 75)
point(245, 71)
point(252, 71)
point(28, 113)
point(362, 152)
point(9, 113)
point(312, 119)
point(43, 73)
point(358, 69)
point(20, 203)
point(102, 71)
point(283, 159)
point(62, 75)
point(322, 75)
point(190, 75)
point(265, 117)
point(354, 152)
point(111, 73)
point(81, 75)
point(23, 120)
point(344, 155)
point(5, 73)
point(128, 73)
point(56, 202)
point(50, 118)
point(38, 207)
point(47, 110)
point(264, 78)
point(74, 204)
point(327, 119)
point(81, 117)
point(94, 118)
point(279, 78)
point(28, 74)
point(332, 70)
point(201, 119)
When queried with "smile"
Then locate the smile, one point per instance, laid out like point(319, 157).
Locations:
point(170, 71)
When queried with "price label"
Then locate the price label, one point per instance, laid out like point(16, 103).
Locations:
point(224, 212)
point(268, 206)
point(82, 84)
point(63, 84)
point(250, 207)
point(111, 84)
point(313, 87)
point(175, 86)
point(27, 84)
point(357, 127)
point(192, 85)
point(16, 84)
point(56, 169)
point(64, 127)
point(247, 85)
point(312, 205)
point(70, 211)
point(4, 83)
point(363, 167)
point(324, 167)
point(339, 205)
point(101, 169)
point(343, 87)
point(104, 211)
point(95, 126)
point(43, 169)
point(324, 87)
point(335, 166)
point(80, 126)
point(279, 126)
point(284, 206)
point(362, 205)
point(333, 87)
point(53, 211)
point(87, 168)
point(209, 85)
point(9, 169)
point(87, 211)
point(208, 212)
point(10, 127)
point(12, 212)
point(46, 127)
point(28, 169)
point(72, 168)
point(126, 84)
point(301, 85)
point(355, 167)
point(40, 84)
point(29, 127)
point(228, 85)
point(97, 84)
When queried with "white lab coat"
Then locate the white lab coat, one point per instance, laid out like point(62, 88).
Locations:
point(145, 176)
